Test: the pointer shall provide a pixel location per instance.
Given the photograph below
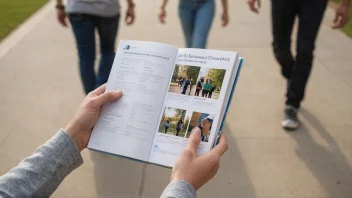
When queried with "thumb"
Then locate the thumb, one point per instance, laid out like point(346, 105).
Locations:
point(336, 19)
point(194, 140)
point(108, 97)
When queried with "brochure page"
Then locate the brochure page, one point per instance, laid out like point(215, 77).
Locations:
point(127, 127)
point(195, 97)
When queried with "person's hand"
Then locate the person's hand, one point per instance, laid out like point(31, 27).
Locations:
point(342, 16)
point(162, 15)
point(80, 127)
point(129, 18)
point(224, 19)
point(198, 170)
point(61, 17)
point(254, 5)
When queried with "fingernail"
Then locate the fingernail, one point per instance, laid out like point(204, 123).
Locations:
point(196, 131)
point(118, 91)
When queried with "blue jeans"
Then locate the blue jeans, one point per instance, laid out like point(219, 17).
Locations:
point(83, 27)
point(196, 18)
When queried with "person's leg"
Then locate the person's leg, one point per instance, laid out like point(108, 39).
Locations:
point(205, 93)
point(203, 21)
point(177, 131)
point(186, 14)
point(107, 28)
point(165, 129)
point(283, 15)
point(310, 17)
point(83, 29)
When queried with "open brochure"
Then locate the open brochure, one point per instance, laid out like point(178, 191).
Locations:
point(166, 93)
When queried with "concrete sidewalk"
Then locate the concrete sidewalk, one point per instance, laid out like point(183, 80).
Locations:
point(41, 90)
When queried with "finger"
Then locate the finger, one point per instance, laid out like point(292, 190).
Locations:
point(194, 140)
point(223, 21)
point(252, 7)
point(222, 147)
point(98, 91)
point(64, 22)
point(226, 21)
point(126, 18)
point(161, 19)
point(108, 97)
point(132, 19)
point(336, 19)
point(337, 24)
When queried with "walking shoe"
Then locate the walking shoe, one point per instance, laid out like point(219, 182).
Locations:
point(290, 121)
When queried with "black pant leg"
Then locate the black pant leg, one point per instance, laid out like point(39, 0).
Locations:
point(283, 14)
point(310, 16)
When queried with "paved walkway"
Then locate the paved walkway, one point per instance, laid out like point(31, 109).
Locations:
point(40, 91)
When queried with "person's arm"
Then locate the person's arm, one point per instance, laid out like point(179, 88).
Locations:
point(162, 12)
point(41, 173)
point(225, 14)
point(179, 189)
point(342, 14)
point(191, 171)
point(130, 16)
point(61, 14)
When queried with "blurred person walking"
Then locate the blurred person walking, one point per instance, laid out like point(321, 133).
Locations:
point(196, 18)
point(206, 88)
point(212, 89)
point(199, 86)
point(190, 86)
point(85, 17)
point(185, 85)
point(179, 126)
point(167, 125)
point(297, 70)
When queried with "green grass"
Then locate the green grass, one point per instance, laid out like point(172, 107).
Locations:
point(348, 28)
point(14, 12)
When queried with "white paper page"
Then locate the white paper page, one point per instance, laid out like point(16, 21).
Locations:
point(184, 110)
point(127, 127)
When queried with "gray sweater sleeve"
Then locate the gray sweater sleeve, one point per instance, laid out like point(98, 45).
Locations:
point(179, 189)
point(41, 173)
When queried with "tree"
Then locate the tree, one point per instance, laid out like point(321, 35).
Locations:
point(180, 113)
point(193, 71)
point(175, 74)
point(217, 76)
point(186, 123)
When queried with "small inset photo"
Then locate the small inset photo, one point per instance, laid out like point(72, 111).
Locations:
point(202, 120)
point(174, 122)
point(209, 82)
point(184, 79)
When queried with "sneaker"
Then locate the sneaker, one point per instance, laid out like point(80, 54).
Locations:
point(290, 121)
